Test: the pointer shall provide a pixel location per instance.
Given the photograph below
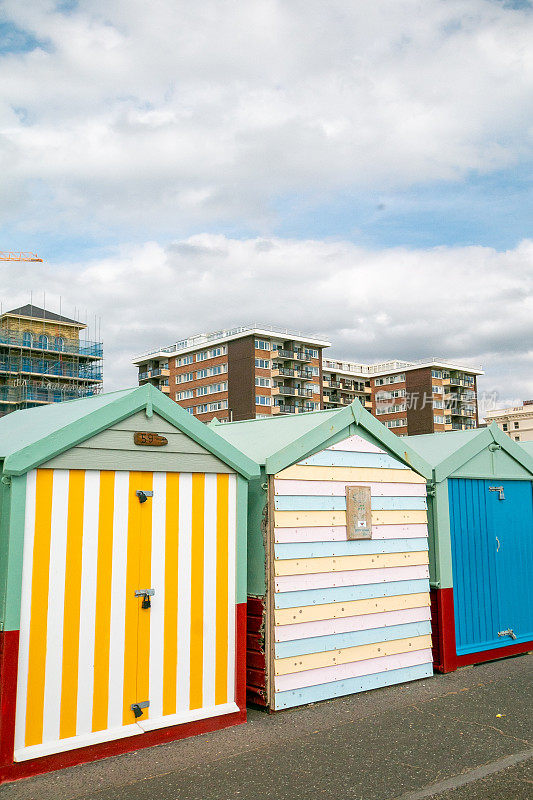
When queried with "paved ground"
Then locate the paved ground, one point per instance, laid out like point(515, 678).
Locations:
point(463, 736)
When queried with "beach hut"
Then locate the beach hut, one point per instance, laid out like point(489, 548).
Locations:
point(338, 589)
point(122, 579)
point(481, 545)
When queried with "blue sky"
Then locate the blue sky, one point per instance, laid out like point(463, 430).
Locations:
point(381, 135)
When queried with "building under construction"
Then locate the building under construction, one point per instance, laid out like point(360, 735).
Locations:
point(43, 359)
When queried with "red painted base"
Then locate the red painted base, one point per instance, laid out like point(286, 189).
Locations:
point(443, 632)
point(11, 771)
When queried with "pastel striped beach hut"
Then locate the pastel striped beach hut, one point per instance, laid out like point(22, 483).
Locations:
point(338, 581)
point(123, 579)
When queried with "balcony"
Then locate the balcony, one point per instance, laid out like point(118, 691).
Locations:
point(293, 355)
point(77, 347)
point(287, 372)
point(294, 391)
point(154, 373)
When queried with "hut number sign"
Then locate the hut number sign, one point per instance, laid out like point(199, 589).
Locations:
point(148, 439)
point(358, 513)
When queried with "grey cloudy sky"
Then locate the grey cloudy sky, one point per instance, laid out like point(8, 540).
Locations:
point(359, 170)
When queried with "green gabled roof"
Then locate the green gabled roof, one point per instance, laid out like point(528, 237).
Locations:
point(447, 452)
point(279, 441)
point(528, 447)
point(35, 435)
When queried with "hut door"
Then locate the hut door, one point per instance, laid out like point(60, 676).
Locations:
point(492, 550)
point(511, 511)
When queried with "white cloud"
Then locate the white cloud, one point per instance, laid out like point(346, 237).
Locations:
point(469, 303)
point(172, 114)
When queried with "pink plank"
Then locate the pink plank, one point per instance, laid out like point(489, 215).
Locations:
point(356, 444)
point(338, 533)
point(370, 666)
point(359, 577)
point(338, 488)
point(364, 622)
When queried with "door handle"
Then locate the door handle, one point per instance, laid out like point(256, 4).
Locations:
point(498, 548)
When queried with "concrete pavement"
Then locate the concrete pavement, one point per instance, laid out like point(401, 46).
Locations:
point(452, 737)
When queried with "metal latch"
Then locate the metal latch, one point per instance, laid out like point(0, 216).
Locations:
point(145, 594)
point(138, 707)
point(508, 632)
point(142, 495)
point(497, 489)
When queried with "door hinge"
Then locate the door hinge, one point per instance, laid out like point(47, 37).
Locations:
point(137, 708)
point(497, 489)
point(508, 632)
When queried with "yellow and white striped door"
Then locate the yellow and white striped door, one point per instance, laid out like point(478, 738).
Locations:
point(88, 650)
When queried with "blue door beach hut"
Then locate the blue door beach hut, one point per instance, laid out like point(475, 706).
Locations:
point(481, 545)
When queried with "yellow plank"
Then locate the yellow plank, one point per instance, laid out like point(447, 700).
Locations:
point(132, 603)
point(170, 649)
point(352, 608)
point(221, 653)
point(197, 592)
point(145, 581)
point(39, 607)
point(330, 658)
point(309, 473)
point(314, 519)
point(71, 607)
point(306, 566)
point(102, 601)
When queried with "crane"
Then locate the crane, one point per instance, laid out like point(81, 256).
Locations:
point(9, 256)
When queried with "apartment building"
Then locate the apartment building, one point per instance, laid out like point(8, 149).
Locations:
point(517, 422)
point(43, 359)
point(240, 373)
point(344, 382)
point(410, 397)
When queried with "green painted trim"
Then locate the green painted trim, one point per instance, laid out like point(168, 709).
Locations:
point(147, 397)
point(485, 437)
point(315, 440)
point(241, 543)
point(309, 442)
point(257, 503)
point(12, 525)
point(440, 542)
point(395, 444)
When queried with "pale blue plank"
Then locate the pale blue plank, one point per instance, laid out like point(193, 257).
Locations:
point(343, 594)
point(325, 691)
point(338, 641)
point(345, 458)
point(358, 547)
point(329, 503)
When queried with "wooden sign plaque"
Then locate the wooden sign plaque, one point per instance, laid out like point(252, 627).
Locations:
point(358, 513)
point(147, 439)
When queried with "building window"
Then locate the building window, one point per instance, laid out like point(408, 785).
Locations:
point(201, 391)
point(183, 360)
point(262, 363)
point(208, 372)
point(215, 352)
point(436, 373)
point(205, 408)
point(262, 400)
point(400, 378)
point(517, 438)
point(43, 341)
point(438, 403)
point(27, 339)
point(516, 425)
point(184, 395)
point(59, 343)
point(185, 377)
point(437, 389)
point(396, 423)
point(505, 426)
point(312, 353)
point(438, 420)
point(261, 344)
point(263, 382)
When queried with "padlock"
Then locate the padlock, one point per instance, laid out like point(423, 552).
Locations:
point(146, 602)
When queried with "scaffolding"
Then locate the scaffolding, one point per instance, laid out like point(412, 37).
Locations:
point(43, 365)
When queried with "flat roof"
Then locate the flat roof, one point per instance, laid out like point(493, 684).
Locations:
point(394, 366)
point(202, 340)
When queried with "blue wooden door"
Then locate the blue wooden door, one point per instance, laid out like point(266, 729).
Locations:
point(511, 515)
point(492, 558)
